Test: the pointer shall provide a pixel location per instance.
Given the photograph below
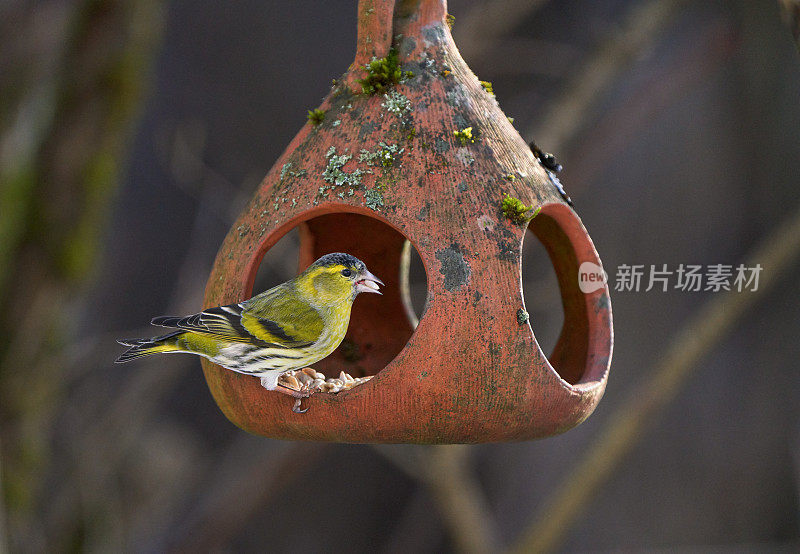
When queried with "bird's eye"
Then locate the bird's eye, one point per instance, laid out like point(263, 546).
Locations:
point(347, 272)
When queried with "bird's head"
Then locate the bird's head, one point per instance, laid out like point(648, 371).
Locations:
point(337, 277)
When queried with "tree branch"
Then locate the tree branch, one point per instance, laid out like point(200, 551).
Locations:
point(566, 117)
point(445, 471)
point(790, 11)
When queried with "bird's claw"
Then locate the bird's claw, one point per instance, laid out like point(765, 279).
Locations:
point(296, 408)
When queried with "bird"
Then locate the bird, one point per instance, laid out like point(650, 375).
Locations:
point(285, 328)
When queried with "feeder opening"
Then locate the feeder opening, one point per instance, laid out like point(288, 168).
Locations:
point(379, 326)
point(560, 232)
point(540, 293)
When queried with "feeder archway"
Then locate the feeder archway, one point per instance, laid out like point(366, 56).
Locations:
point(429, 159)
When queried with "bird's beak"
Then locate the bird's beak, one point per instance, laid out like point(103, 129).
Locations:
point(368, 283)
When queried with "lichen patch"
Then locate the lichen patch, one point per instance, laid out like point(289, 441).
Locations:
point(454, 267)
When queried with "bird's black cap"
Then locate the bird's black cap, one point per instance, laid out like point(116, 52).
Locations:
point(340, 258)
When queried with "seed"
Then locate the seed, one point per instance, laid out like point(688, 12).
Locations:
point(309, 371)
point(291, 382)
point(304, 378)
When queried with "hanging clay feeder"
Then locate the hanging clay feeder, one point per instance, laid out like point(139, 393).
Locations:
point(427, 159)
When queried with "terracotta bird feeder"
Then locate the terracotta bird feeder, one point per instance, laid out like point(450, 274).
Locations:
point(414, 148)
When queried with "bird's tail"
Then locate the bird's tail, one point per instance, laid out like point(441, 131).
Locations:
point(145, 347)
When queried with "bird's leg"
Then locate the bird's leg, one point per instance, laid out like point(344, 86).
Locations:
point(298, 395)
point(296, 406)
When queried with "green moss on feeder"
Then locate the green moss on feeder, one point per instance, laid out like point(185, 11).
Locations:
point(487, 86)
point(510, 177)
point(382, 74)
point(397, 103)
point(286, 171)
point(516, 211)
point(384, 155)
point(373, 198)
point(464, 136)
point(450, 19)
point(334, 172)
point(315, 117)
point(522, 316)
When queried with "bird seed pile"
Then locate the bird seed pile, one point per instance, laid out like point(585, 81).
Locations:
point(310, 380)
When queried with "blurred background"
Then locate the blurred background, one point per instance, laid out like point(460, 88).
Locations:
point(133, 133)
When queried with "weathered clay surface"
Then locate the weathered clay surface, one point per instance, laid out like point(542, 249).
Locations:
point(470, 372)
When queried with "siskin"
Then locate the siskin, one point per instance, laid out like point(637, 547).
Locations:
point(288, 327)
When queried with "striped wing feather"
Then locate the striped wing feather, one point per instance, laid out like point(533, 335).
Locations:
point(275, 318)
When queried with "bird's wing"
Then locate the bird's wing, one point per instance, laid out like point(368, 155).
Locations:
point(270, 319)
point(282, 317)
point(222, 322)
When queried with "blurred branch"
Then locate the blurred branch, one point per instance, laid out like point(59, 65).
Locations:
point(695, 64)
point(410, 459)
point(3, 528)
point(57, 180)
point(244, 483)
point(543, 58)
point(32, 43)
point(415, 530)
point(477, 33)
point(776, 253)
point(790, 11)
point(129, 414)
point(182, 147)
point(445, 471)
point(564, 119)
point(460, 499)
